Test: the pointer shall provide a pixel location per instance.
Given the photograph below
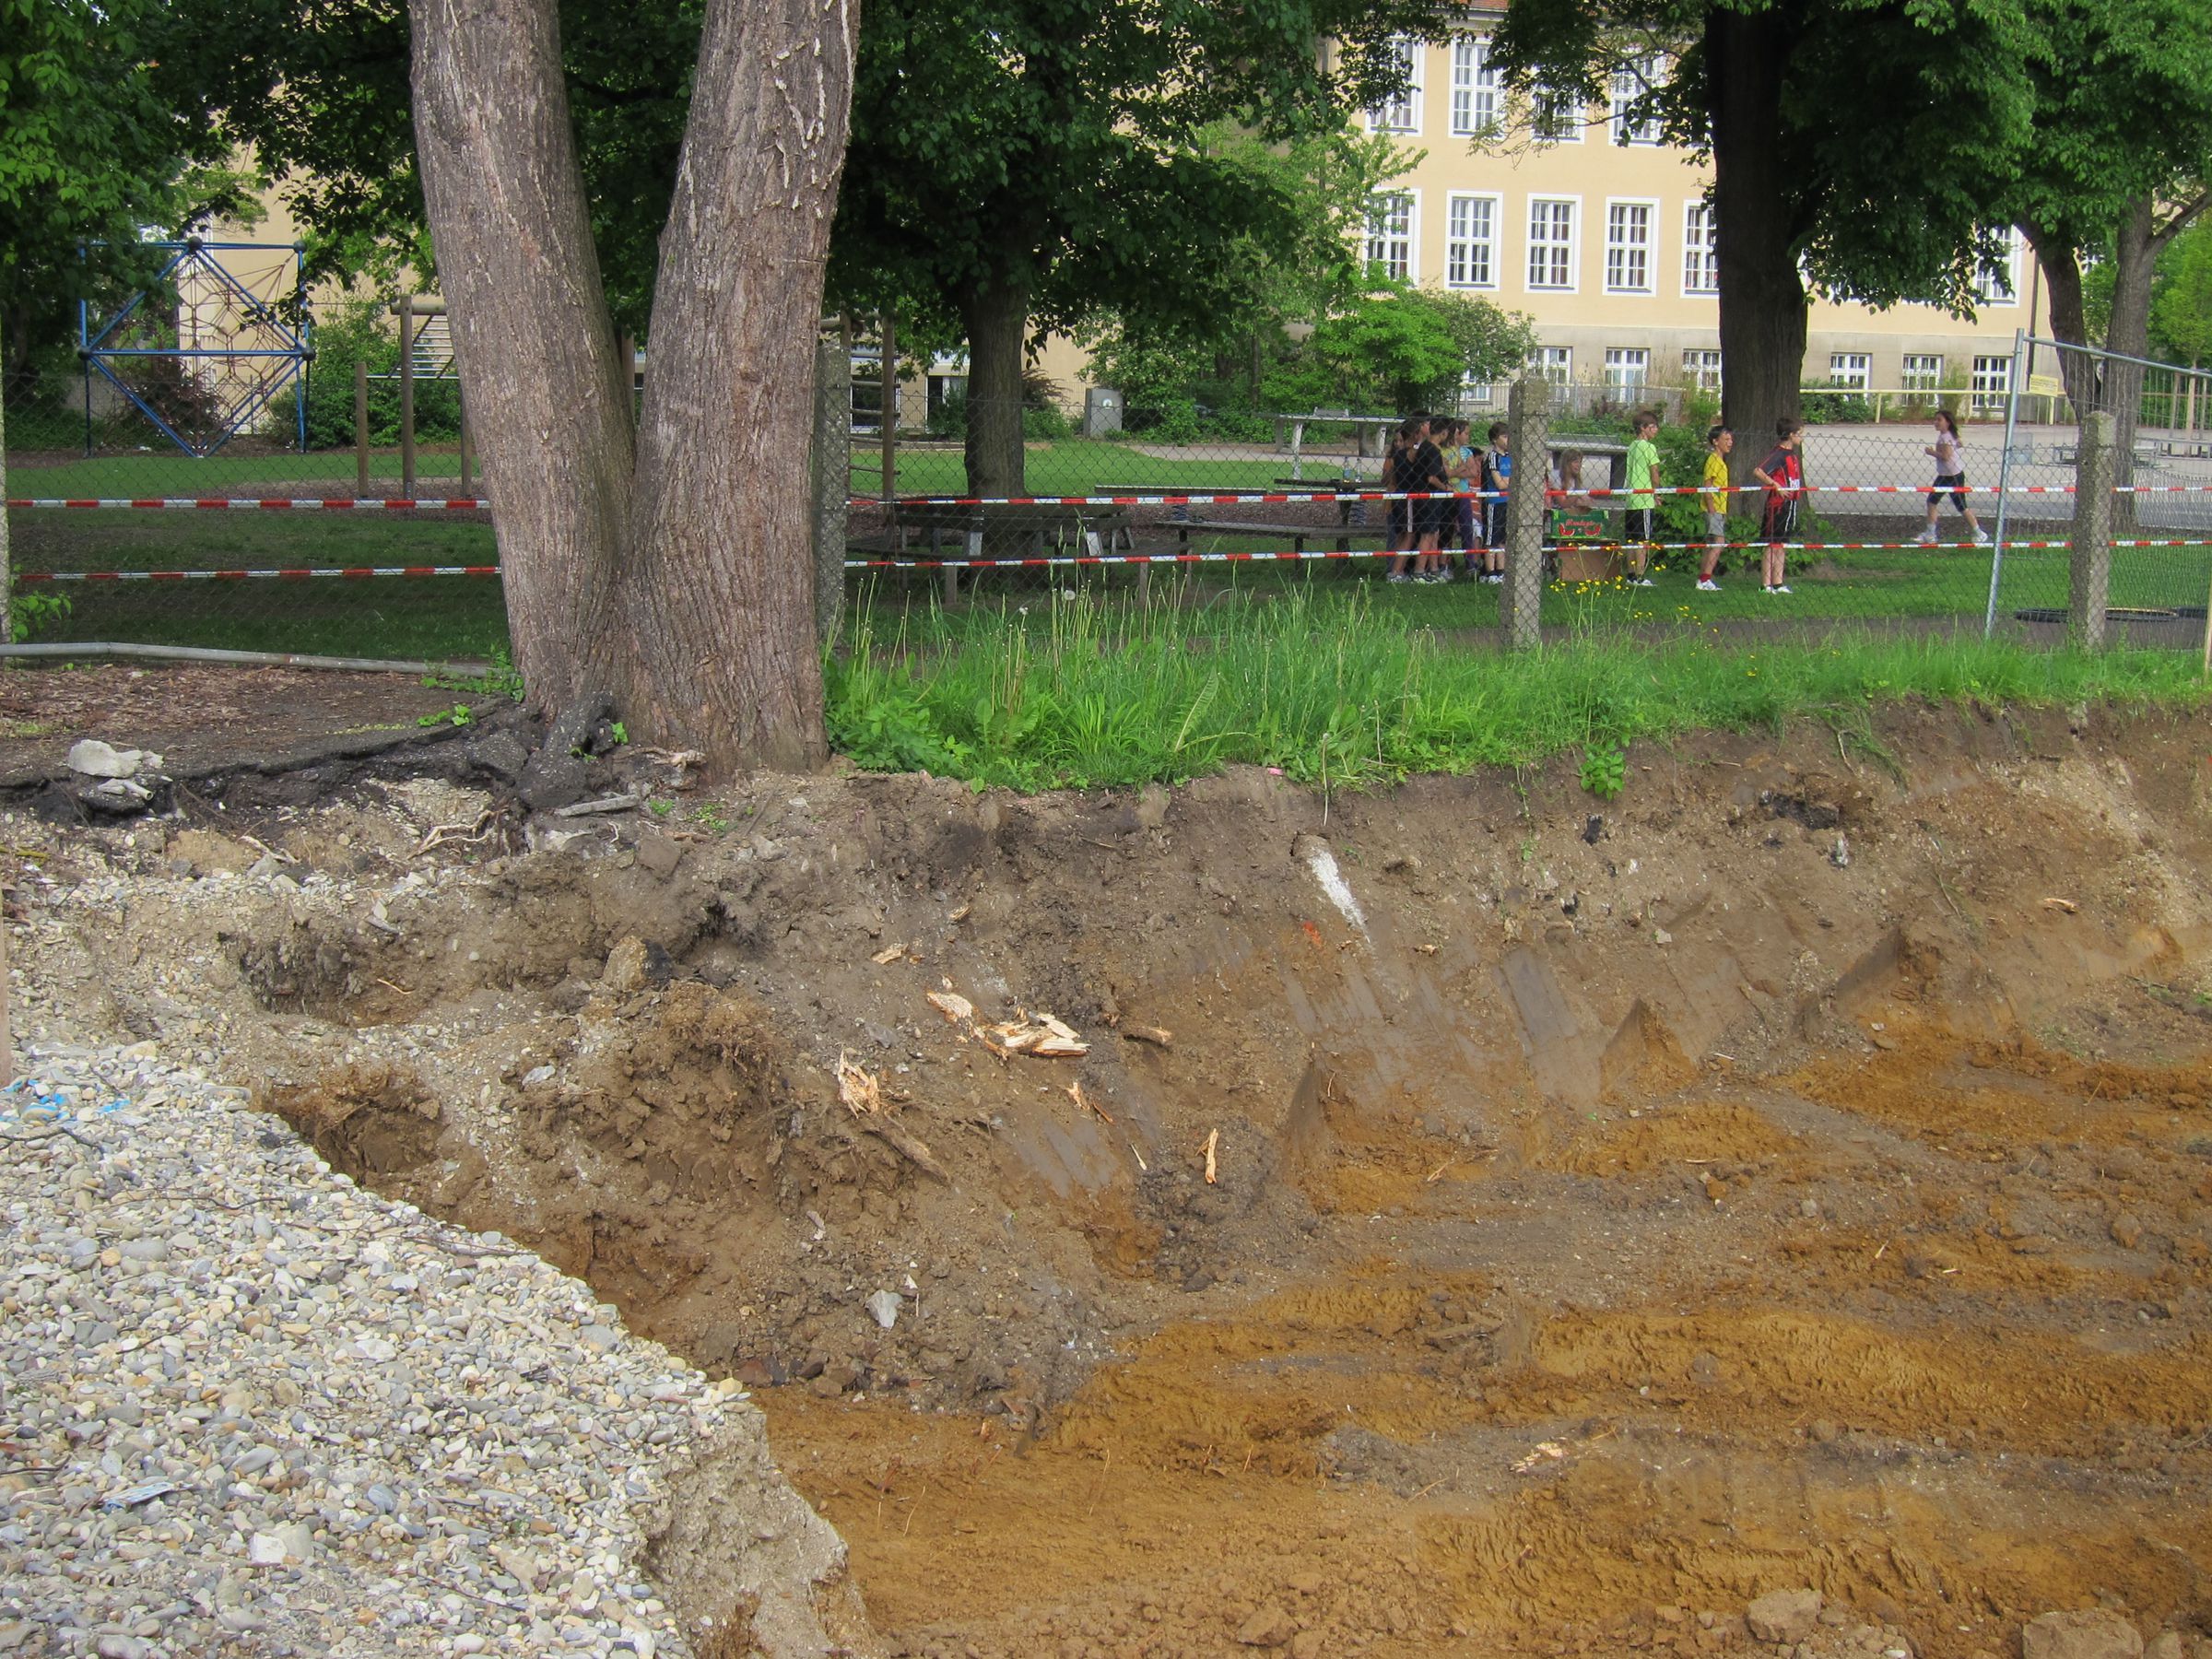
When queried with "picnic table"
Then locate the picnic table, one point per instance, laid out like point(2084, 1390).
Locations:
point(980, 531)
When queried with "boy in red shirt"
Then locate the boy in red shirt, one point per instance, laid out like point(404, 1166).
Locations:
point(1782, 475)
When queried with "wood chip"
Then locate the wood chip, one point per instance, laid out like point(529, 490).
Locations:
point(952, 1004)
point(908, 1146)
point(1157, 1036)
point(614, 803)
point(887, 955)
point(1213, 1145)
point(861, 1094)
point(2062, 904)
point(1074, 1092)
point(960, 915)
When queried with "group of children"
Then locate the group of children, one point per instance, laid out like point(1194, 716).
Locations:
point(1432, 453)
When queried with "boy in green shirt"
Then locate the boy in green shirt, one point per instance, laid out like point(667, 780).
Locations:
point(1644, 478)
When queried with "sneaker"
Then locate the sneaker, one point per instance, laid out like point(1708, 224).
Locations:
point(1980, 538)
point(1708, 586)
point(1397, 576)
point(1779, 587)
point(1496, 577)
point(1927, 536)
point(1643, 582)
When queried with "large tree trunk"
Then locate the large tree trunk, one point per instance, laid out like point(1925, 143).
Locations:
point(1762, 303)
point(998, 318)
point(672, 568)
point(532, 337)
point(2061, 262)
point(720, 584)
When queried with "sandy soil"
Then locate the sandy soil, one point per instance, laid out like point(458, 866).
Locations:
point(1791, 1174)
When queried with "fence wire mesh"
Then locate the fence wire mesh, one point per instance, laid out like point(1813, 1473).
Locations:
point(1182, 501)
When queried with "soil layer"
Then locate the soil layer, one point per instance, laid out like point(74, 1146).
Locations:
point(1481, 1218)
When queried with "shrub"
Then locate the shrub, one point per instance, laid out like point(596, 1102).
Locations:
point(355, 331)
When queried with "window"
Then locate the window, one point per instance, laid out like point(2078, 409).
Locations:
point(1922, 372)
point(1402, 113)
point(1700, 256)
point(1702, 368)
point(1556, 116)
point(1476, 393)
point(1852, 369)
point(1389, 220)
point(1471, 241)
point(1998, 284)
point(1555, 363)
point(1627, 368)
point(1474, 87)
point(1629, 247)
point(1551, 244)
point(1631, 81)
point(1992, 382)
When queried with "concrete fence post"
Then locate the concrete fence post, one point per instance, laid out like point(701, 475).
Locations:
point(2090, 587)
point(1527, 510)
point(360, 427)
point(831, 475)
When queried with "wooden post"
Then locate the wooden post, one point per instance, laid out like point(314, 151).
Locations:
point(2091, 573)
point(831, 471)
point(888, 415)
point(361, 426)
point(1527, 510)
point(407, 395)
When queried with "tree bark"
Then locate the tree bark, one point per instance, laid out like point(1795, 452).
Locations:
point(719, 587)
point(671, 568)
point(2061, 262)
point(997, 318)
point(1762, 300)
point(533, 339)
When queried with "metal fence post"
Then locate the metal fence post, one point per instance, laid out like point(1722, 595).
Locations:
point(2089, 576)
point(830, 474)
point(360, 427)
point(2012, 423)
point(1527, 506)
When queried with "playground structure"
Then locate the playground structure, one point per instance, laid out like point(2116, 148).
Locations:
point(206, 371)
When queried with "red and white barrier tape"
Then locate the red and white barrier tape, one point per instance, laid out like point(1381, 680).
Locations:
point(263, 504)
point(354, 571)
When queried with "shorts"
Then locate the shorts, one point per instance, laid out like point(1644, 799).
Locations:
point(1956, 484)
point(1431, 517)
point(1716, 526)
point(1638, 525)
point(1401, 523)
point(1779, 524)
point(1493, 523)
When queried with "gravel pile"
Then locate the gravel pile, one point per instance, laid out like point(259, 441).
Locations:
point(247, 1408)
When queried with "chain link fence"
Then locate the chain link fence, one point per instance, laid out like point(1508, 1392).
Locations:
point(1183, 504)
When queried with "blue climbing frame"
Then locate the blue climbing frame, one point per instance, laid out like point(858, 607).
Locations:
point(290, 357)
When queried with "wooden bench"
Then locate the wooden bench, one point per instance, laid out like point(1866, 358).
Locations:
point(1342, 535)
point(1004, 531)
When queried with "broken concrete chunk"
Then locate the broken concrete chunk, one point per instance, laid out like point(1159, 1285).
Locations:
point(88, 757)
point(1785, 1614)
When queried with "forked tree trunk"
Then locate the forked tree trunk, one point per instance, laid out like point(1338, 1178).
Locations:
point(2061, 262)
point(997, 320)
point(674, 570)
point(1762, 303)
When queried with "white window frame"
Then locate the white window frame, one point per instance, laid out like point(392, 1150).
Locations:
point(1556, 116)
point(1649, 249)
point(1620, 361)
point(1459, 275)
point(1627, 83)
point(2000, 284)
point(1478, 94)
point(1402, 115)
point(1475, 394)
point(1992, 382)
point(1853, 371)
point(1700, 250)
point(1573, 244)
point(1382, 238)
point(1555, 364)
point(1702, 367)
point(1921, 371)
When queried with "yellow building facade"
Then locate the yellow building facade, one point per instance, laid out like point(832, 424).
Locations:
point(1584, 220)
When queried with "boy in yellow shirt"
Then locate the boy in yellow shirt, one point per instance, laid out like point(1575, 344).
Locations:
point(1718, 443)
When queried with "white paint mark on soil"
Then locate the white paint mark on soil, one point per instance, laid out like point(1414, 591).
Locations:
point(1321, 860)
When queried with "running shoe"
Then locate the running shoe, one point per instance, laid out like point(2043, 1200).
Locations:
point(1708, 587)
point(1780, 588)
point(1980, 538)
point(1643, 582)
point(1927, 536)
point(1397, 576)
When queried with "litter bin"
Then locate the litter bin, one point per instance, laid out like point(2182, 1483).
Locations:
point(1101, 412)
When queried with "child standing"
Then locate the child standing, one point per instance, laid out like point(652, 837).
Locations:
point(1643, 479)
point(1782, 475)
point(1397, 465)
point(1496, 478)
point(1718, 443)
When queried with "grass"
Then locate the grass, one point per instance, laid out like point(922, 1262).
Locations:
point(1342, 692)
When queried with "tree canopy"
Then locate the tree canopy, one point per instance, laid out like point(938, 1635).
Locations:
point(93, 155)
